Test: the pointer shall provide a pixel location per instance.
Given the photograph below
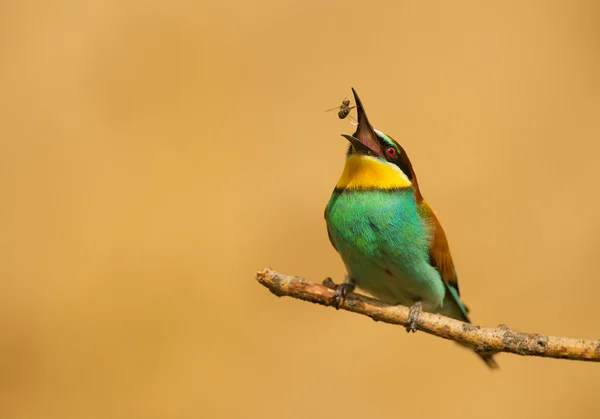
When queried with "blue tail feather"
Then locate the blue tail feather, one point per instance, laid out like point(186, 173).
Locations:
point(457, 310)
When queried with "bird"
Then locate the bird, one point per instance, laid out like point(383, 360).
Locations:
point(388, 236)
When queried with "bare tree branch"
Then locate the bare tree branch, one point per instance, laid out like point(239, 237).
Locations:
point(501, 339)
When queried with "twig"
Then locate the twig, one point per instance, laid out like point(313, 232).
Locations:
point(501, 339)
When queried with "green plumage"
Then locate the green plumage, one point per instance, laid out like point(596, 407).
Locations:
point(384, 244)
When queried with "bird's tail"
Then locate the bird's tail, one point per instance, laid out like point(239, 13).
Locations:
point(455, 308)
point(489, 361)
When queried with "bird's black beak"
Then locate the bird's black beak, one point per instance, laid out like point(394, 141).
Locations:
point(364, 140)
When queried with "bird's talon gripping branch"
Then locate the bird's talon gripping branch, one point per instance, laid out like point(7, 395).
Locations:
point(340, 294)
point(413, 317)
point(341, 290)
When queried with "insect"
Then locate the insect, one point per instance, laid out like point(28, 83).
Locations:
point(343, 109)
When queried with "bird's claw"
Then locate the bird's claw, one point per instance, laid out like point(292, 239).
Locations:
point(413, 317)
point(341, 290)
point(328, 282)
point(340, 294)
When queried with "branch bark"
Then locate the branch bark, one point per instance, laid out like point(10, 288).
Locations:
point(501, 339)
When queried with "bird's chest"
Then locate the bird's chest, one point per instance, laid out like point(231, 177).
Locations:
point(381, 238)
point(372, 225)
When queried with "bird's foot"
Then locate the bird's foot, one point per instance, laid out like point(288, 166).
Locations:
point(328, 282)
point(413, 317)
point(341, 290)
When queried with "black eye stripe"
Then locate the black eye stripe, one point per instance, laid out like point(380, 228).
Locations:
point(404, 165)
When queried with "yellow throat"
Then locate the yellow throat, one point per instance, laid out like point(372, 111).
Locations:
point(367, 172)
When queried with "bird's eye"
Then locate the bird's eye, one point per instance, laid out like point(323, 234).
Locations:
point(390, 151)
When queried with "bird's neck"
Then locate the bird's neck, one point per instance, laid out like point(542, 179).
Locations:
point(368, 172)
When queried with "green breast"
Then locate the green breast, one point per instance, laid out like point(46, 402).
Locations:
point(384, 243)
point(377, 223)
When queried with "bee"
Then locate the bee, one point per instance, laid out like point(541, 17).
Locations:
point(343, 109)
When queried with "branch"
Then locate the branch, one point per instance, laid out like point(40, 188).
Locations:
point(481, 339)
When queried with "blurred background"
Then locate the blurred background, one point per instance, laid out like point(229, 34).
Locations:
point(154, 155)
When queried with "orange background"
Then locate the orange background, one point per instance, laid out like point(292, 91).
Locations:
point(154, 155)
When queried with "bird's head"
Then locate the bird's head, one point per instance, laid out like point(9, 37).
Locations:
point(374, 159)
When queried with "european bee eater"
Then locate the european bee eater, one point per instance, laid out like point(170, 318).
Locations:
point(387, 234)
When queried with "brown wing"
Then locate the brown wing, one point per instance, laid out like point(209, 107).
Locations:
point(439, 251)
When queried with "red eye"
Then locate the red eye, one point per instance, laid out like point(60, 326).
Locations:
point(390, 151)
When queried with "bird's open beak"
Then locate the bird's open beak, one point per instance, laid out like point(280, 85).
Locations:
point(364, 140)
